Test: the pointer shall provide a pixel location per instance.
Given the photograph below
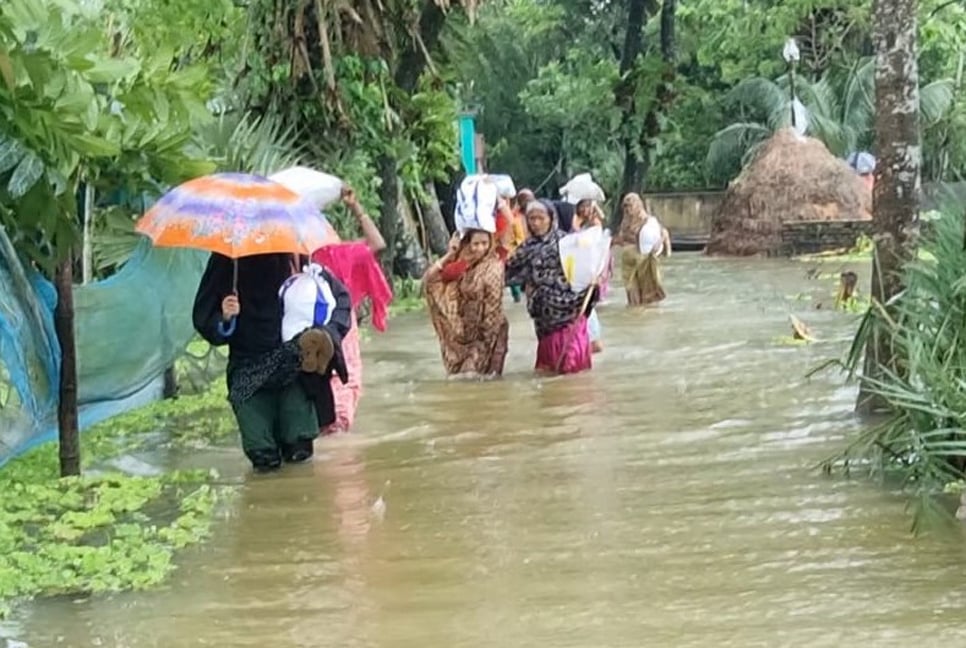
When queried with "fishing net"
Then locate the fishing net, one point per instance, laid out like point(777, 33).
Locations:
point(129, 329)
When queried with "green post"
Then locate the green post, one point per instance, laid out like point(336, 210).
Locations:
point(467, 134)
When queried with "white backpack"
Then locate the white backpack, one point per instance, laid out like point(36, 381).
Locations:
point(307, 301)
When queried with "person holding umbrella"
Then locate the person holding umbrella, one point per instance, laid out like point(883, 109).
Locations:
point(256, 231)
point(269, 387)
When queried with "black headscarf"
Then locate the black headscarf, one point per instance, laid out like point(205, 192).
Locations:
point(565, 215)
point(552, 303)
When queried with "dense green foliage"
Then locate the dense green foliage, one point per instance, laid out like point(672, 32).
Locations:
point(543, 75)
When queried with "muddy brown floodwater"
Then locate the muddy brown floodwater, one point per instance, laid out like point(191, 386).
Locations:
point(667, 498)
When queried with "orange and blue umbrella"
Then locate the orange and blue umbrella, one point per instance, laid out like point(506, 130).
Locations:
point(236, 215)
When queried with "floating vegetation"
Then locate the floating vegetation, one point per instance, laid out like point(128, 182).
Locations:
point(108, 531)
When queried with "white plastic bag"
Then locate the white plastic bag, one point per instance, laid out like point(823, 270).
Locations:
point(651, 237)
point(584, 256)
point(582, 187)
point(321, 188)
point(476, 204)
point(504, 185)
point(307, 301)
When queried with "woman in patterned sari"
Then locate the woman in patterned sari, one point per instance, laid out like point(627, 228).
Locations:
point(464, 293)
point(563, 343)
point(640, 268)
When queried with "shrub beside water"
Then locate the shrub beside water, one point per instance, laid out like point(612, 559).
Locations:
point(922, 441)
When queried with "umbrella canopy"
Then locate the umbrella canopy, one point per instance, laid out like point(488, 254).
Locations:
point(236, 215)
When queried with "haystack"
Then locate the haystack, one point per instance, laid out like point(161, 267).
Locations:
point(790, 178)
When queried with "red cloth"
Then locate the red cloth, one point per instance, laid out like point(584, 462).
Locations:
point(502, 222)
point(453, 270)
point(565, 351)
point(355, 265)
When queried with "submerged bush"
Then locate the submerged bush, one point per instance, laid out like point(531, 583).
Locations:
point(922, 442)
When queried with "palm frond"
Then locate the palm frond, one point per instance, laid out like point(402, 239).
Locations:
point(923, 442)
point(250, 144)
point(936, 100)
point(763, 97)
point(858, 97)
point(731, 145)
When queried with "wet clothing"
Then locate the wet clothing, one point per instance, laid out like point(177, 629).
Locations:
point(354, 264)
point(566, 350)
point(276, 424)
point(552, 304)
point(642, 277)
point(263, 374)
point(640, 272)
point(466, 308)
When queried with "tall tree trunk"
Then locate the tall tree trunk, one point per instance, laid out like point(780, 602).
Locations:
point(412, 63)
point(389, 216)
point(437, 234)
point(895, 197)
point(67, 402)
point(664, 94)
point(624, 99)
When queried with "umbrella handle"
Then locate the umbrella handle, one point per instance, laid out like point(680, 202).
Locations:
point(226, 331)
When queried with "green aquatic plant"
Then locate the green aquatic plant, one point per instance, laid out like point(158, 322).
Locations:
point(922, 440)
point(108, 531)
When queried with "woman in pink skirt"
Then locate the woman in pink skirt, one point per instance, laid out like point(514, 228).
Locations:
point(355, 265)
point(559, 313)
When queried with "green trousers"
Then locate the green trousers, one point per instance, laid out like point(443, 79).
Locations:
point(517, 291)
point(273, 422)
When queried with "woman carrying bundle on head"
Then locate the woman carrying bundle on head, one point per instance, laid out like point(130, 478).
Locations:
point(464, 289)
point(559, 313)
point(642, 240)
point(355, 264)
point(464, 293)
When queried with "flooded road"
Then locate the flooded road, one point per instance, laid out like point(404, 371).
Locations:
point(665, 499)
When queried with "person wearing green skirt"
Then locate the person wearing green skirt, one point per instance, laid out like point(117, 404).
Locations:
point(280, 393)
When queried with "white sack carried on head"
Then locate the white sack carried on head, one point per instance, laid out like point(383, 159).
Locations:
point(321, 188)
point(582, 187)
point(504, 185)
point(476, 204)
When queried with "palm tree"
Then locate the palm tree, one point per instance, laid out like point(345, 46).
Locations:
point(840, 114)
